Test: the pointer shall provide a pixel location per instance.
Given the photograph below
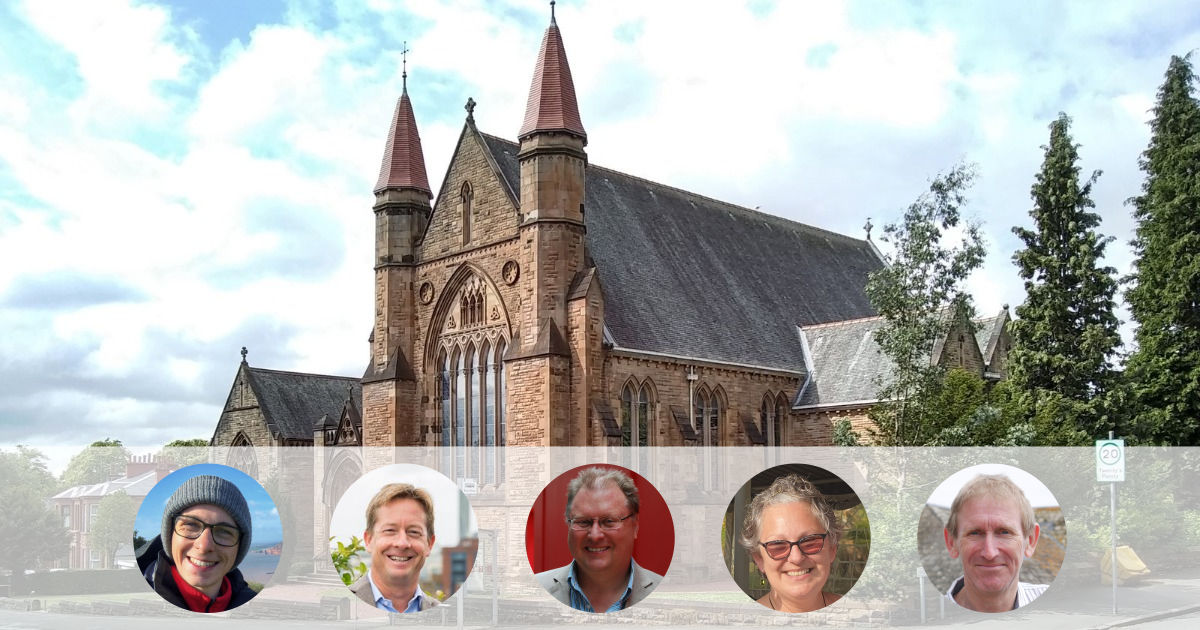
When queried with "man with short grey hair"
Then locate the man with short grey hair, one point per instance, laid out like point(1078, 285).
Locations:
point(602, 524)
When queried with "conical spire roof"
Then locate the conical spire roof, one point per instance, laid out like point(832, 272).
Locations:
point(403, 160)
point(552, 105)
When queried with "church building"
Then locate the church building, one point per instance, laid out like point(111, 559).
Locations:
point(541, 300)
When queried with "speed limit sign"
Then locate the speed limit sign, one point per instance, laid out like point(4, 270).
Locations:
point(1110, 460)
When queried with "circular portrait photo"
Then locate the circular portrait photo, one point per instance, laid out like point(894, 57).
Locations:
point(599, 538)
point(992, 538)
point(208, 538)
point(403, 538)
point(796, 538)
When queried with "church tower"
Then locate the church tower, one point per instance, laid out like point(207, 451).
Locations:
point(552, 163)
point(402, 209)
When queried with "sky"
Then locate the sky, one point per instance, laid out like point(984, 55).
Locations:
point(180, 179)
point(264, 515)
point(1038, 494)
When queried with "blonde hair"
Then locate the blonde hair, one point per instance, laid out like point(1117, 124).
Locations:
point(997, 487)
point(395, 492)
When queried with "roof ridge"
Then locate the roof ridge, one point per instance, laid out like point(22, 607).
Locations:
point(258, 369)
point(841, 322)
point(750, 211)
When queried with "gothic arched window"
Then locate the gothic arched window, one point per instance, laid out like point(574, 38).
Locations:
point(471, 394)
point(465, 196)
point(781, 413)
point(636, 403)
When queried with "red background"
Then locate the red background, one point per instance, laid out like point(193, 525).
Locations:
point(546, 529)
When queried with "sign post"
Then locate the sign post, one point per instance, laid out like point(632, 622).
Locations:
point(1110, 467)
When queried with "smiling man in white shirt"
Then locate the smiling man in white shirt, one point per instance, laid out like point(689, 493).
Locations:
point(399, 536)
point(991, 530)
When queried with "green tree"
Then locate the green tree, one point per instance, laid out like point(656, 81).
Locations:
point(919, 294)
point(1164, 293)
point(103, 460)
point(1065, 333)
point(32, 530)
point(113, 526)
point(179, 453)
point(844, 434)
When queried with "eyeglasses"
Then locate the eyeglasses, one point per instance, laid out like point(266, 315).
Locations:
point(193, 528)
point(809, 545)
point(607, 524)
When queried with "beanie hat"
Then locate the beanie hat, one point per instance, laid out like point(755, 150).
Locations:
point(210, 490)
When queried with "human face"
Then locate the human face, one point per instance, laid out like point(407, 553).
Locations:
point(796, 579)
point(399, 543)
point(598, 552)
point(202, 562)
point(992, 547)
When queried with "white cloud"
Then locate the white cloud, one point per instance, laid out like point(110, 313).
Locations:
point(231, 188)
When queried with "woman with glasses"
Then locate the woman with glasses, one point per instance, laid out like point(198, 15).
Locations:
point(205, 535)
point(791, 533)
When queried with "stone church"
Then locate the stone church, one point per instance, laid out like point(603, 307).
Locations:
point(542, 300)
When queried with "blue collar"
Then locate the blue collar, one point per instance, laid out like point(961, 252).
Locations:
point(382, 603)
point(579, 601)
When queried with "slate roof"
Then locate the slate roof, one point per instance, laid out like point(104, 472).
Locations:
point(988, 334)
point(295, 404)
point(135, 486)
point(846, 363)
point(691, 276)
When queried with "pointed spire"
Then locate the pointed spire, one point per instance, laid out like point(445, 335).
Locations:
point(552, 105)
point(403, 160)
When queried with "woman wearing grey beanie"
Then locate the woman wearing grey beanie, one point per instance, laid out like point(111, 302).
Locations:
point(205, 535)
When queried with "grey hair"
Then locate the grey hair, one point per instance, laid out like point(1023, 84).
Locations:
point(595, 477)
point(787, 489)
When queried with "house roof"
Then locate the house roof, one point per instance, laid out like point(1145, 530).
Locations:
point(691, 276)
point(135, 486)
point(295, 404)
point(552, 105)
point(847, 365)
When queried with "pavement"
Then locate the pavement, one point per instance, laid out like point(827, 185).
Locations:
point(1167, 600)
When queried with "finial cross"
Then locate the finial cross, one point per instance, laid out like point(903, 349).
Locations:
point(470, 107)
point(552, 12)
point(244, 353)
point(868, 227)
point(404, 63)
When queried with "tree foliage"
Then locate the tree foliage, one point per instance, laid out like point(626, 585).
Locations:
point(32, 530)
point(113, 526)
point(103, 460)
point(844, 434)
point(919, 294)
point(179, 453)
point(1164, 293)
point(1065, 333)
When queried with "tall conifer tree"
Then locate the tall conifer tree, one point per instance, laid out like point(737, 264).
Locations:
point(1164, 296)
point(1065, 332)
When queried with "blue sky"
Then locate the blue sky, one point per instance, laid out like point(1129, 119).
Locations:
point(264, 515)
point(181, 179)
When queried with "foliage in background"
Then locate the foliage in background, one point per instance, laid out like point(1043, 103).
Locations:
point(101, 461)
point(843, 434)
point(919, 294)
point(1164, 293)
point(33, 532)
point(180, 453)
point(1065, 333)
point(113, 525)
point(346, 559)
